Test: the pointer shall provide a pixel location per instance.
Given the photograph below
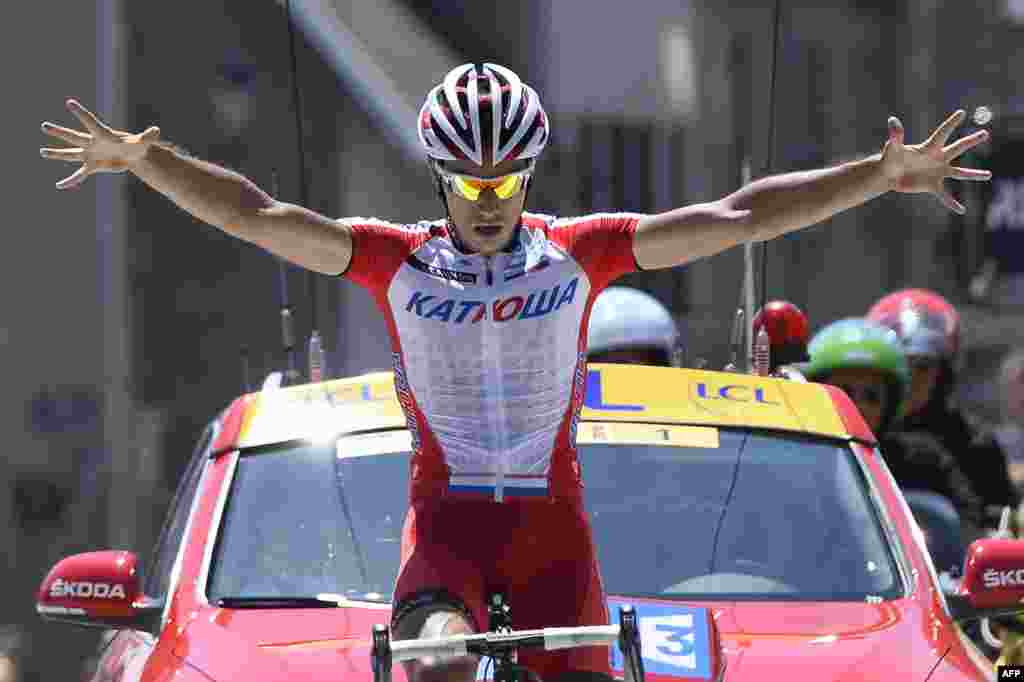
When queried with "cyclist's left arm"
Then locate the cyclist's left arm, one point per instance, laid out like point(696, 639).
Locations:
point(759, 211)
point(778, 204)
point(687, 234)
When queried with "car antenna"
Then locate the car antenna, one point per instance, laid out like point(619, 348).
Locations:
point(315, 359)
point(743, 324)
point(755, 350)
point(291, 372)
point(243, 353)
point(736, 345)
point(759, 349)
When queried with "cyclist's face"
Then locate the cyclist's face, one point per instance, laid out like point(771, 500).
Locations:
point(485, 226)
point(867, 389)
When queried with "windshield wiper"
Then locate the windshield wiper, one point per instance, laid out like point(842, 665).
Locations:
point(277, 603)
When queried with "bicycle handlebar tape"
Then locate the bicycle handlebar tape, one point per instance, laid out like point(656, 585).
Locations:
point(586, 635)
point(442, 647)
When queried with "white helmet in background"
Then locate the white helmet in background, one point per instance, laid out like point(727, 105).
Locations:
point(626, 319)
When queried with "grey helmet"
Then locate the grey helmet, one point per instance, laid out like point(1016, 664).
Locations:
point(625, 318)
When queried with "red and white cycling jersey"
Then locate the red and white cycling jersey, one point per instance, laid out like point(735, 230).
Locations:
point(489, 351)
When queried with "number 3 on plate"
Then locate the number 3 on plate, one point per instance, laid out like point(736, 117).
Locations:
point(679, 641)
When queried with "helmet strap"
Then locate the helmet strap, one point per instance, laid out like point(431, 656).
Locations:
point(453, 234)
point(444, 201)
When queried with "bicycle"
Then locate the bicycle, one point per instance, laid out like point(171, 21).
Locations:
point(501, 644)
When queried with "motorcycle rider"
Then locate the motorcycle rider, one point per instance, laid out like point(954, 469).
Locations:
point(929, 328)
point(867, 362)
point(628, 325)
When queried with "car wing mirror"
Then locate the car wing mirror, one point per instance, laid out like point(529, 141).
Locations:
point(97, 589)
point(993, 580)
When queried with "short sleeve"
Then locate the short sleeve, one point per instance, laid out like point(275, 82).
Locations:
point(378, 249)
point(602, 244)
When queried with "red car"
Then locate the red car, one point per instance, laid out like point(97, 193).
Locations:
point(750, 521)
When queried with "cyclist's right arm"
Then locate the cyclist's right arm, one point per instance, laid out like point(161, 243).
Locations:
point(233, 203)
point(215, 195)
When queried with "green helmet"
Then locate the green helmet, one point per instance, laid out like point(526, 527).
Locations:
point(858, 343)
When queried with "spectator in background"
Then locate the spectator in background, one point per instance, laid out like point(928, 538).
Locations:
point(631, 326)
point(867, 362)
point(788, 332)
point(929, 329)
point(1010, 433)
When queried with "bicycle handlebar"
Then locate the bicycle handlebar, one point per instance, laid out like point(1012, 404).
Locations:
point(502, 644)
point(490, 643)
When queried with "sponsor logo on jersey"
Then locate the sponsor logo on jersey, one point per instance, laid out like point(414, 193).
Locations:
point(515, 274)
point(516, 262)
point(443, 273)
point(1013, 577)
point(459, 311)
point(86, 590)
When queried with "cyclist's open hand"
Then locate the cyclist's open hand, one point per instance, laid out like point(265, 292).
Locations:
point(924, 167)
point(100, 149)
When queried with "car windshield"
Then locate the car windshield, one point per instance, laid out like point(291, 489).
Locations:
point(682, 512)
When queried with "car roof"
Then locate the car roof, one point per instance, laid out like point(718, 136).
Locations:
point(614, 392)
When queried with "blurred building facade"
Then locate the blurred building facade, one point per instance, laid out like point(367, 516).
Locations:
point(151, 322)
point(73, 431)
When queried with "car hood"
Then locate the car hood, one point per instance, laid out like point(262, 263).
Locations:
point(828, 642)
point(819, 642)
point(262, 645)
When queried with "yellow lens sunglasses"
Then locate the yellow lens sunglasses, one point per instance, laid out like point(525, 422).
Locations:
point(469, 187)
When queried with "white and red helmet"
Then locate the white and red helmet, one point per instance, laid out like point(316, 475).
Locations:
point(482, 107)
point(927, 324)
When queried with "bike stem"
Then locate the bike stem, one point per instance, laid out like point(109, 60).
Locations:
point(629, 645)
point(380, 654)
point(501, 644)
point(499, 616)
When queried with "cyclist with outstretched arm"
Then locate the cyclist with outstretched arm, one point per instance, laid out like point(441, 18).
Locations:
point(487, 311)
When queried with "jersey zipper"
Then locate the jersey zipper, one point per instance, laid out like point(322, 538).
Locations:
point(493, 345)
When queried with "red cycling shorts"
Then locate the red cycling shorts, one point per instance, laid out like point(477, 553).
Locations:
point(539, 552)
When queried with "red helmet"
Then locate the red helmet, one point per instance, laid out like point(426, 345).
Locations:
point(482, 110)
point(926, 323)
point(788, 331)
